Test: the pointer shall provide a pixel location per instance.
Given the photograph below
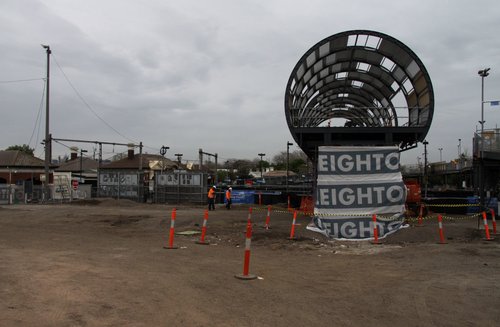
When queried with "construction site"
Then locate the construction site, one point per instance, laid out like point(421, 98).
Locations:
point(357, 242)
point(108, 263)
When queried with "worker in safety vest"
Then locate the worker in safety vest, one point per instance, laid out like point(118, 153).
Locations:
point(228, 198)
point(211, 198)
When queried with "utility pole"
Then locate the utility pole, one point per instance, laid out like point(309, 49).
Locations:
point(201, 153)
point(81, 165)
point(48, 143)
point(261, 155)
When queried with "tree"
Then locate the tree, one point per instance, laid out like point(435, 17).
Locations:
point(241, 167)
point(298, 165)
point(297, 161)
point(222, 175)
point(256, 164)
point(23, 148)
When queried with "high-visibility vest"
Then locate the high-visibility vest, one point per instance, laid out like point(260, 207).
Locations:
point(211, 193)
point(228, 194)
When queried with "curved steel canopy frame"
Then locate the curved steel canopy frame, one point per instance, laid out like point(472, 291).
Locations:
point(372, 83)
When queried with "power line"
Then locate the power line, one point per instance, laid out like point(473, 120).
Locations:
point(22, 80)
point(38, 120)
point(86, 103)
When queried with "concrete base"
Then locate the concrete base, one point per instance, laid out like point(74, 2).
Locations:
point(246, 277)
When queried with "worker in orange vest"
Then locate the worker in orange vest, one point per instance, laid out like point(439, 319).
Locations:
point(228, 198)
point(211, 198)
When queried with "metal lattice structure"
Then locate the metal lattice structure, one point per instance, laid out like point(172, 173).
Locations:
point(359, 87)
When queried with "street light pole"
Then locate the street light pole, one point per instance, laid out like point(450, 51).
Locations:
point(288, 145)
point(425, 168)
point(163, 152)
point(179, 156)
point(483, 73)
point(48, 143)
point(459, 153)
point(440, 154)
point(81, 164)
point(261, 155)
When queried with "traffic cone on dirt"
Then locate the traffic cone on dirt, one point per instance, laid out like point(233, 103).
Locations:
point(420, 216)
point(246, 263)
point(375, 231)
point(268, 217)
point(204, 230)
point(441, 233)
point(486, 228)
point(172, 232)
point(493, 221)
point(292, 230)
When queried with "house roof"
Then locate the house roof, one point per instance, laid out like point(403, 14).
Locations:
point(133, 163)
point(74, 165)
point(278, 173)
point(16, 158)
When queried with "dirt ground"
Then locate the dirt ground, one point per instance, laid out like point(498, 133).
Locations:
point(103, 263)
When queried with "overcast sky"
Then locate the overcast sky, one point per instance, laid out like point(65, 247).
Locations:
point(212, 74)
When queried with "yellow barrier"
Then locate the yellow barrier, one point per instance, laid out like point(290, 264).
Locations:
point(386, 218)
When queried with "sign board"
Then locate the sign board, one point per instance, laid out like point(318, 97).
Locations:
point(180, 179)
point(242, 196)
point(74, 183)
point(353, 184)
point(124, 179)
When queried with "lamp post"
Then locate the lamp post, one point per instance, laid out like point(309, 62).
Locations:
point(440, 154)
point(81, 164)
point(483, 73)
point(288, 145)
point(425, 168)
point(163, 152)
point(179, 156)
point(261, 155)
point(48, 145)
point(459, 146)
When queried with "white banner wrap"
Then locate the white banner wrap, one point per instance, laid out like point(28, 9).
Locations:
point(353, 184)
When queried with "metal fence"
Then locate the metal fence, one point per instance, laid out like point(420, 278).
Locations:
point(165, 187)
point(490, 142)
point(15, 194)
point(178, 187)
